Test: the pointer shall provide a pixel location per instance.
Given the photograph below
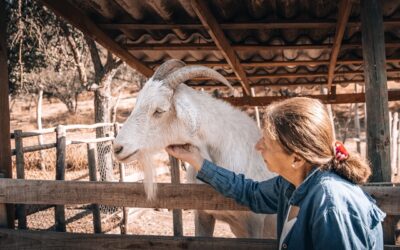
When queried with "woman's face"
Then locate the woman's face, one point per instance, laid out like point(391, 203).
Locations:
point(275, 157)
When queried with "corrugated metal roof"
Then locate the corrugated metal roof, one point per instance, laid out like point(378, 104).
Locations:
point(250, 12)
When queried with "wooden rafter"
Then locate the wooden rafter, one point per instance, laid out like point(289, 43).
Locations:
point(88, 27)
point(308, 83)
point(244, 47)
point(215, 31)
point(343, 17)
point(274, 63)
point(211, 47)
point(394, 95)
point(299, 75)
point(267, 24)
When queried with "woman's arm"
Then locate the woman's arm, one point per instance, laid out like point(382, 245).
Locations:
point(260, 197)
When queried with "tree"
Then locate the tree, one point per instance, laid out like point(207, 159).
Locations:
point(45, 54)
point(50, 56)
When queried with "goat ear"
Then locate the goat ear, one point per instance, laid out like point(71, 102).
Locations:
point(188, 114)
point(167, 68)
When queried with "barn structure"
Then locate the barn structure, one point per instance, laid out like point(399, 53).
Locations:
point(276, 44)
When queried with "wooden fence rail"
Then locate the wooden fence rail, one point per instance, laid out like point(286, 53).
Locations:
point(67, 127)
point(32, 240)
point(171, 196)
point(21, 239)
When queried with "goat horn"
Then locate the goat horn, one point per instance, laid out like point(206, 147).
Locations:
point(189, 72)
point(167, 68)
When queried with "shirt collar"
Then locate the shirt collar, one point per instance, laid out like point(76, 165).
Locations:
point(297, 194)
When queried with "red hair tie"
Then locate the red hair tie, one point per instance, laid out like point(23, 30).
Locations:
point(341, 153)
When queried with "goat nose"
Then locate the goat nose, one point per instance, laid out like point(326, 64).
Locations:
point(118, 148)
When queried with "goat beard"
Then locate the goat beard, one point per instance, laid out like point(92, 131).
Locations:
point(146, 163)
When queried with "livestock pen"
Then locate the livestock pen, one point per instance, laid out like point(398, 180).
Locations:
point(171, 196)
point(316, 44)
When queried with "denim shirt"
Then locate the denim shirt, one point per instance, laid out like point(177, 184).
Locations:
point(334, 213)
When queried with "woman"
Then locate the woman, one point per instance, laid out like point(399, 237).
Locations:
point(316, 195)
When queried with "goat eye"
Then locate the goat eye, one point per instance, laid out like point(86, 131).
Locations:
point(158, 112)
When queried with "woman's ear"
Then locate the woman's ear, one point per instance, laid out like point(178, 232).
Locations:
point(297, 161)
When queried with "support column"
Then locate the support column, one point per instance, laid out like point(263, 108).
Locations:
point(376, 95)
point(6, 215)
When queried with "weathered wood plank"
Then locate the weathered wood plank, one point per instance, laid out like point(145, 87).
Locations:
point(74, 16)
point(60, 174)
point(376, 94)
point(6, 213)
point(297, 75)
point(171, 196)
point(394, 95)
point(176, 213)
point(92, 162)
point(215, 31)
point(21, 239)
point(267, 24)
point(214, 47)
point(32, 240)
point(20, 164)
point(244, 47)
point(113, 193)
point(273, 63)
point(394, 142)
point(344, 10)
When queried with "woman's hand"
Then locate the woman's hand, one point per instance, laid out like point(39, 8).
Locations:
point(187, 153)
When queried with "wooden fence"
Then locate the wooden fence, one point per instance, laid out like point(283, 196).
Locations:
point(173, 196)
point(60, 145)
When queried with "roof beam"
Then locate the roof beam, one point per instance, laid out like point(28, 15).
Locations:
point(242, 47)
point(299, 75)
point(394, 95)
point(290, 84)
point(215, 31)
point(343, 17)
point(220, 85)
point(265, 25)
point(212, 46)
point(74, 16)
point(274, 63)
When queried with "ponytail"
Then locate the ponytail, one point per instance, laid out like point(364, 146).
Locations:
point(354, 168)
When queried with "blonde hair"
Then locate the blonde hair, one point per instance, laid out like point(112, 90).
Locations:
point(302, 125)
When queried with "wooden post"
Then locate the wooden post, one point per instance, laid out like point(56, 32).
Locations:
point(6, 211)
point(60, 174)
point(125, 210)
point(357, 123)
point(39, 126)
point(376, 97)
point(19, 153)
point(176, 213)
point(395, 134)
point(253, 94)
point(376, 94)
point(92, 161)
point(397, 172)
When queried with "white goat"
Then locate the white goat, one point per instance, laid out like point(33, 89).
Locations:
point(168, 112)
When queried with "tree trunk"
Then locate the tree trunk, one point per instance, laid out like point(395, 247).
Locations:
point(102, 114)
